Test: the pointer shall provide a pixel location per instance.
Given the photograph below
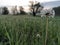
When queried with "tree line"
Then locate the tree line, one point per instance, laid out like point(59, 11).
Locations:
point(14, 10)
point(33, 7)
point(57, 10)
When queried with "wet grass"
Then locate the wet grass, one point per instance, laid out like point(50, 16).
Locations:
point(28, 30)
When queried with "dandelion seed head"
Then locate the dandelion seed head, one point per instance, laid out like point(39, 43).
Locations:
point(38, 35)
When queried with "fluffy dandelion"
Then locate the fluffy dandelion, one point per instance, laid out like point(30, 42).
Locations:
point(49, 12)
point(38, 35)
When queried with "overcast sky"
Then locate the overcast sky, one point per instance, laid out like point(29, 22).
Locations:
point(20, 2)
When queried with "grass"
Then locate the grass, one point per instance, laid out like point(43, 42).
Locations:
point(28, 30)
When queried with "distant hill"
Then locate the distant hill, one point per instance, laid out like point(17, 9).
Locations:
point(51, 4)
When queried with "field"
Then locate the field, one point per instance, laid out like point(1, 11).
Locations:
point(28, 30)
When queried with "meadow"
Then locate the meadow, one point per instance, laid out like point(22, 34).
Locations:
point(28, 30)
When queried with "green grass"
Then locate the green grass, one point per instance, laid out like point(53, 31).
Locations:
point(28, 30)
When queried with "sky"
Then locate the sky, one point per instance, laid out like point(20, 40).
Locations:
point(23, 3)
point(20, 2)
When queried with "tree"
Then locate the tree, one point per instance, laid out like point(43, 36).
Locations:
point(22, 10)
point(35, 7)
point(14, 10)
point(5, 10)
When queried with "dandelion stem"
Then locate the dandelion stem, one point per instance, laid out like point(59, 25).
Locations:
point(46, 30)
